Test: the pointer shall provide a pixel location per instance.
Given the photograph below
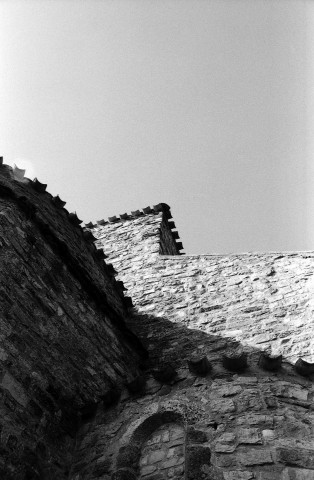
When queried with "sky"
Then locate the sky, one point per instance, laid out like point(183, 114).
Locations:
point(206, 105)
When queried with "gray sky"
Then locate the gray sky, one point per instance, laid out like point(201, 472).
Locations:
point(207, 105)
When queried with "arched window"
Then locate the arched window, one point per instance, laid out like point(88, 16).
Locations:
point(162, 447)
point(163, 453)
point(155, 451)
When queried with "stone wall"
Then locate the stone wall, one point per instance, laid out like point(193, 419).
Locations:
point(260, 299)
point(163, 454)
point(227, 426)
point(64, 343)
point(206, 321)
point(210, 401)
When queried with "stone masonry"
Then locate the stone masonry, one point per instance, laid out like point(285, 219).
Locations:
point(163, 454)
point(239, 422)
point(206, 374)
point(63, 338)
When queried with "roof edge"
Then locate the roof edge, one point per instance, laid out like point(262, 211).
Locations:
point(35, 187)
point(155, 210)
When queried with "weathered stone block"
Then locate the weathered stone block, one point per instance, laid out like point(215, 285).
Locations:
point(176, 432)
point(296, 456)
point(177, 442)
point(274, 474)
point(229, 390)
point(227, 437)
point(155, 439)
point(148, 469)
point(268, 435)
point(156, 456)
point(238, 475)
point(255, 457)
point(271, 402)
point(176, 472)
point(226, 460)
point(224, 448)
point(223, 405)
point(298, 393)
point(249, 435)
point(297, 474)
point(172, 462)
point(174, 451)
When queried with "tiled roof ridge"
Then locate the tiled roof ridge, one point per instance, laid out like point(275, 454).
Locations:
point(160, 207)
point(26, 204)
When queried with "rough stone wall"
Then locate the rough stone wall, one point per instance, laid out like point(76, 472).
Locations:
point(163, 454)
point(63, 339)
point(247, 424)
point(253, 425)
point(63, 232)
point(263, 300)
point(137, 241)
point(202, 406)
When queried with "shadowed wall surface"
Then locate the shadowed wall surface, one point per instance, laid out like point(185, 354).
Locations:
point(249, 421)
point(63, 338)
point(260, 299)
point(226, 391)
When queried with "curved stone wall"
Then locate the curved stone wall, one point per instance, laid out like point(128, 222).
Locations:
point(249, 425)
point(64, 343)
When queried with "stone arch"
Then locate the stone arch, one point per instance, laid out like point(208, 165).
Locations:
point(131, 457)
point(197, 454)
point(163, 454)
